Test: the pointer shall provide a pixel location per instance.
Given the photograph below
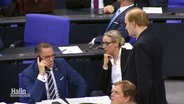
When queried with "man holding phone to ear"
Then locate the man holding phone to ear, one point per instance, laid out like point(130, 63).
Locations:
point(47, 77)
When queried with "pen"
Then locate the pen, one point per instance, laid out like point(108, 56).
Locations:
point(63, 50)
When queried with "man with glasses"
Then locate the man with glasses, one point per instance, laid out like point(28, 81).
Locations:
point(47, 77)
point(114, 62)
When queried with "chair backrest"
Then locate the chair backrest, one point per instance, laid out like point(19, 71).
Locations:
point(23, 98)
point(46, 28)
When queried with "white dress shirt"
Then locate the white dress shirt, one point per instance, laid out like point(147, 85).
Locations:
point(116, 74)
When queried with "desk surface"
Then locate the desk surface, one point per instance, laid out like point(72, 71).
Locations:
point(89, 16)
point(27, 53)
point(76, 16)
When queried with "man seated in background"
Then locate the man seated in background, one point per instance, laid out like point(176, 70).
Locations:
point(117, 21)
point(48, 78)
point(123, 93)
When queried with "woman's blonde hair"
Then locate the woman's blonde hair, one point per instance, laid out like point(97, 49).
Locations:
point(115, 36)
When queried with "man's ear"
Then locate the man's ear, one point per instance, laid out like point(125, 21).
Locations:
point(133, 23)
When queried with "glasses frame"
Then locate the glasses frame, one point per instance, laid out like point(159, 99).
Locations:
point(106, 44)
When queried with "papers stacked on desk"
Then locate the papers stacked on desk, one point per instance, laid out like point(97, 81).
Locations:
point(128, 46)
point(153, 10)
point(55, 101)
point(70, 49)
point(90, 100)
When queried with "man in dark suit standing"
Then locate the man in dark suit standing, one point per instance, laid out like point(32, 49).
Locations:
point(144, 65)
point(48, 78)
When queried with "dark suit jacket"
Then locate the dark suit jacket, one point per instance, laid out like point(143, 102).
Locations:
point(119, 25)
point(63, 74)
point(105, 82)
point(144, 69)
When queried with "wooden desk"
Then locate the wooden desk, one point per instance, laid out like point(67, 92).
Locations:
point(76, 16)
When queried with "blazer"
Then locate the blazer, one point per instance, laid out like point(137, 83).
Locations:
point(144, 69)
point(63, 74)
point(119, 25)
point(105, 81)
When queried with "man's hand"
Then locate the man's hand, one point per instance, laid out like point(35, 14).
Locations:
point(92, 41)
point(108, 9)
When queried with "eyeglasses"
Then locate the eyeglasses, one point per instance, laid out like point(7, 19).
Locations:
point(106, 43)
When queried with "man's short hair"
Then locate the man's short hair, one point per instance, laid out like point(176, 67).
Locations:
point(42, 45)
point(138, 16)
point(128, 88)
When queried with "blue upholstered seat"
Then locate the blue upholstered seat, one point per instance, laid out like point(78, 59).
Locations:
point(23, 98)
point(46, 28)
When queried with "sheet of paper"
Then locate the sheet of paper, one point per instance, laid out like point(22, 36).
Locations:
point(128, 46)
point(51, 101)
point(90, 100)
point(152, 9)
point(70, 49)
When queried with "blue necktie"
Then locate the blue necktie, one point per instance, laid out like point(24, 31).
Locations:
point(113, 18)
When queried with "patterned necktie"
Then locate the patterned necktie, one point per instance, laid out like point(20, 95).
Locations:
point(113, 18)
point(51, 89)
point(95, 3)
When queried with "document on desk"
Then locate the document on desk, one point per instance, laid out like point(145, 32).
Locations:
point(128, 46)
point(70, 49)
point(90, 100)
point(55, 101)
point(152, 10)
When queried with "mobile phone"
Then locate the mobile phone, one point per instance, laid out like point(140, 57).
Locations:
point(40, 59)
